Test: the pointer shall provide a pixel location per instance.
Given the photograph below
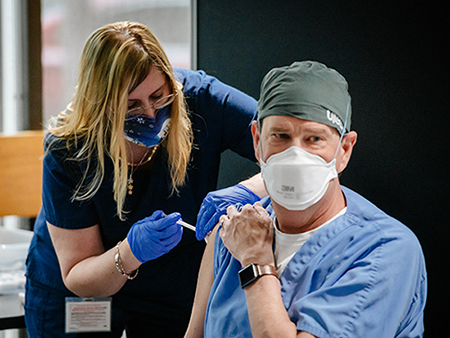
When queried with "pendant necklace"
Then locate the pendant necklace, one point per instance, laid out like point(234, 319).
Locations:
point(130, 178)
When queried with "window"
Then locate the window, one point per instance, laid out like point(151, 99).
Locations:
point(67, 24)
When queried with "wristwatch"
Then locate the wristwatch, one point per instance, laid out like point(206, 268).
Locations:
point(253, 271)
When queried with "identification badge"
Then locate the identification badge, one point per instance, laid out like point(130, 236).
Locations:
point(88, 314)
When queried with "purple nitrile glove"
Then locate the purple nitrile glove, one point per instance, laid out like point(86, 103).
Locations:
point(216, 203)
point(155, 235)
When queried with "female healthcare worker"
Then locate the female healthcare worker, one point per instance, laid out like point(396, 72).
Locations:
point(137, 149)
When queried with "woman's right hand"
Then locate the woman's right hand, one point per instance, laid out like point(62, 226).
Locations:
point(154, 236)
point(85, 265)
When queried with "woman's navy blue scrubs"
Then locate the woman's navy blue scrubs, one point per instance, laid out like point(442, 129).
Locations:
point(159, 300)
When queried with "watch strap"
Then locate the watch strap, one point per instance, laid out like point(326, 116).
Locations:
point(266, 270)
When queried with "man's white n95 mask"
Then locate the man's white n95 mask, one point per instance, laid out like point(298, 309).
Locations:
point(296, 179)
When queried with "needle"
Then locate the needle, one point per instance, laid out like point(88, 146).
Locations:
point(186, 225)
point(191, 227)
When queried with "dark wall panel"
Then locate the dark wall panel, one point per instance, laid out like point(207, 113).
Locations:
point(395, 59)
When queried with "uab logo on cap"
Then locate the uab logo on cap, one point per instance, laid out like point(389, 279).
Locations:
point(333, 118)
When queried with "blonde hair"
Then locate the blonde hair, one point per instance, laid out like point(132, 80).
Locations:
point(116, 59)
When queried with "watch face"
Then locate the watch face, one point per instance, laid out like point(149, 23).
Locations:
point(247, 275)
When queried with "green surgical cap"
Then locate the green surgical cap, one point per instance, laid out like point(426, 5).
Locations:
point(307, 90)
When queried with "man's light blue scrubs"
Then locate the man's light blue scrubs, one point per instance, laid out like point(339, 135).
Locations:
point(362, 275)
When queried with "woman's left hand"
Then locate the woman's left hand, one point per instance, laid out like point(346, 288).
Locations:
point(216, 203)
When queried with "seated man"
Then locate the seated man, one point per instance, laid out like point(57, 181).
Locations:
point(318, 260)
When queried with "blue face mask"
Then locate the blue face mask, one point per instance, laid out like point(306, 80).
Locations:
point(147, 131)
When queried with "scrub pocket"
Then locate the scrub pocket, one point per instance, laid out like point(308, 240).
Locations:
point(44, 311)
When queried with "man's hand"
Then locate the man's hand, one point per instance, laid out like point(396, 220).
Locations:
point(248, 234)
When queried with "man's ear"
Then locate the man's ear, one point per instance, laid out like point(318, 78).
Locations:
point(256, 139)
point(345, 151)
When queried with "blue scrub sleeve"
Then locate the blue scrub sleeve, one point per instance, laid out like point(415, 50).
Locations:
point(226, 111)
point(60, 179)
point(238, 107)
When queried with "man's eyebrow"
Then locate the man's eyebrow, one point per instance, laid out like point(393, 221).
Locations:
point(279, 129)
point(317, 130)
